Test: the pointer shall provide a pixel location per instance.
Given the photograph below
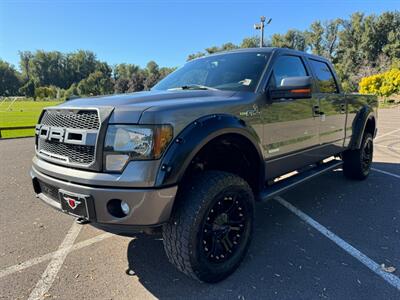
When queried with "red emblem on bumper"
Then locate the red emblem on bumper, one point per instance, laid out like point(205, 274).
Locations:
point(72, 202)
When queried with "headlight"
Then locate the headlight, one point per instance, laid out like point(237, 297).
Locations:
point(134, 142)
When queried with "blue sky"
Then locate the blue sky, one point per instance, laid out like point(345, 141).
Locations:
point(136, 31)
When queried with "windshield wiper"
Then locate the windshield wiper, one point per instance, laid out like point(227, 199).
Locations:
point(194, 87)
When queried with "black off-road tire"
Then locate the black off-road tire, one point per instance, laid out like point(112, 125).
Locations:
point(357, 162)
point(185, 237)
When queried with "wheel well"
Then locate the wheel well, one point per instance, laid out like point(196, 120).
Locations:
point(370, 126)
point(230, 153)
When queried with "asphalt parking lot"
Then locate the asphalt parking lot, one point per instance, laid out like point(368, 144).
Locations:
point(329, 245)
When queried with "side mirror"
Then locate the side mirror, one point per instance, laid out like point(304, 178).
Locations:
point(293, 88)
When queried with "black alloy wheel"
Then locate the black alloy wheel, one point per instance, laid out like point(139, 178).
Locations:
point(210, 228)
point(224, 227)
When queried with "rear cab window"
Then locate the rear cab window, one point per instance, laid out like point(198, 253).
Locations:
point(324, 77)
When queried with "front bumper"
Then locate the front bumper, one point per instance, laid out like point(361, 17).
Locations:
point(149, 207)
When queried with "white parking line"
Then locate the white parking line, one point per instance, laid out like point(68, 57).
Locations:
point(369, 263)
point(385, 172)
point(37, 260)
point(386, 134)
point(49, 275)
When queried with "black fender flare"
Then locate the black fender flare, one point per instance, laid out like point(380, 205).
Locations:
point(193, 138)
point(360, 122)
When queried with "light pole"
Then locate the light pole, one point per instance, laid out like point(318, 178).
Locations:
point(261, 26)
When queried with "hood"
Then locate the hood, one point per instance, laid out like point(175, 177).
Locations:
point(131, 106)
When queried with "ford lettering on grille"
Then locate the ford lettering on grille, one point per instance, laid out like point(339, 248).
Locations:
point(68, 136)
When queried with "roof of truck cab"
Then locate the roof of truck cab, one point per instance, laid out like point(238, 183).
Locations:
point(269, 50)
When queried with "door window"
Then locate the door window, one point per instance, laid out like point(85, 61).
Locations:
point(286, 66)
point(325, 79)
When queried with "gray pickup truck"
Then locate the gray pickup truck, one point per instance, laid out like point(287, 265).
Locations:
point(192, 156)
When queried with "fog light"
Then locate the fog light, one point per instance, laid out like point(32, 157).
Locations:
point(118, 208)
point(125, 207)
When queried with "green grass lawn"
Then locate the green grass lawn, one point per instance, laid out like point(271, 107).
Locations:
point(21, 113)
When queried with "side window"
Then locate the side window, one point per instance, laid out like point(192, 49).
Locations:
point(325, 79)
point(284, 67)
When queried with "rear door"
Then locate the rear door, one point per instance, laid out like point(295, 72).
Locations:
point(331, 109)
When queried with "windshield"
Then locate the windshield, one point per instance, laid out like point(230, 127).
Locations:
point(231, 71)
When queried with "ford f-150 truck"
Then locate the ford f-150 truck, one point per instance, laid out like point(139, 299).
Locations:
point(193, 155)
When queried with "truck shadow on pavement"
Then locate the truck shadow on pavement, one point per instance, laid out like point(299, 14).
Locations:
point(287, 258)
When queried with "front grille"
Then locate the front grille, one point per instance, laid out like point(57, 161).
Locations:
point(49, 190)
point(84, 119)
point(77, 154)
point(61, 150)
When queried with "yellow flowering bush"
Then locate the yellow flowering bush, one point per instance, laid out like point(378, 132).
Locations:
point(383, 84)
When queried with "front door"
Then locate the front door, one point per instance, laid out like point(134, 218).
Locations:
point(290, 127)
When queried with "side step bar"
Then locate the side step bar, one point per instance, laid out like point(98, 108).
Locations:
point(284, 185)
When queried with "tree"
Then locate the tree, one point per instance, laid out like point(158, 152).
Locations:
point(28, 89)
point(125, 71)
point(331, 32)
point(228, 47)
point(9, 80)
point(80, 65)
point(72, 92)
point(314, 38)
point(165, 71)
point(152, 67)
point(97, 83)
point(195, 55)
point(136, 83)
point(121, 85)
point(359, 46)
point(24, 59)
point(46, 92)
point(152, 74)
point(213, 49)
point(250, 42)
point(322, 38)
point(293, 39)
point(131, 78)
point(60, 69)
point(364, 42)
point(46, 68)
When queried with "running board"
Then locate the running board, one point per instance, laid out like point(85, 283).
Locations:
point(286, 184)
